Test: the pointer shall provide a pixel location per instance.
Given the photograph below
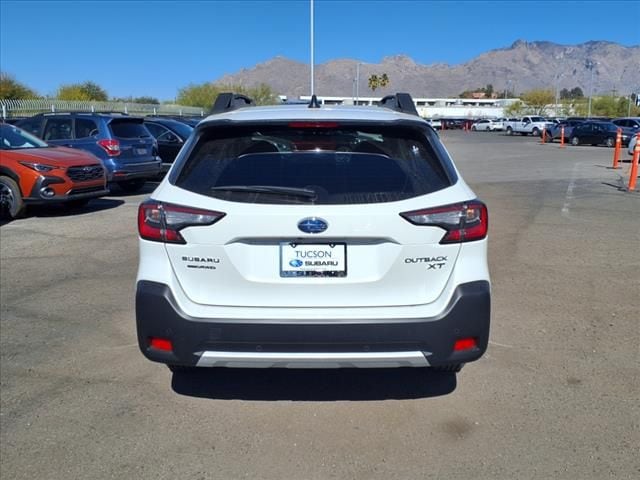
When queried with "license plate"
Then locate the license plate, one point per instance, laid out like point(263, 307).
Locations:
point(141, 151)
point(313, 260)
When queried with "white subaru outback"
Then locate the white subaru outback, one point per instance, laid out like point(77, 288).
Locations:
point(307, 236)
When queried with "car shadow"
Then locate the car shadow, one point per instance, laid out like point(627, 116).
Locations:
point(96, 205)
point(313, 385)
point(148, 188)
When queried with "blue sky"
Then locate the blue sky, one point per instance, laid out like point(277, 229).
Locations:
point(155, 47)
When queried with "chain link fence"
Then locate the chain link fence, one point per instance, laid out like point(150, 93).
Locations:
point(27, 108)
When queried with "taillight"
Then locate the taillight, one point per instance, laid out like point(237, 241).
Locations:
point(464, 222)
point(162, 222)
point(111, 146)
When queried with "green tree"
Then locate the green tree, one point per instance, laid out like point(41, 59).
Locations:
point(536, 101)
point(576, 93)
point(88, 91)
point(515, 109)
point(203, 95)
point(488, 90)
point(11, 89)
point(95, 91)
point(606, 107)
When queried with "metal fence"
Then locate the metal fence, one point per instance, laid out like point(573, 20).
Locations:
point(27, 108)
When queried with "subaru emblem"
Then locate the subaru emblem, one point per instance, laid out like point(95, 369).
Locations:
point(312, 225)
point(295, 263)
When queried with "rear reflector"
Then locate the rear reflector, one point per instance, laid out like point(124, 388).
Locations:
point(162, 222)
point(464, 344)
point(161, 344)
point(463, 222)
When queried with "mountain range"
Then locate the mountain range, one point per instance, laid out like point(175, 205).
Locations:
point(522, 66)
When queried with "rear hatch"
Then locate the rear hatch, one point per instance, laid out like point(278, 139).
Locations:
point(136, 143)
point(314, 216)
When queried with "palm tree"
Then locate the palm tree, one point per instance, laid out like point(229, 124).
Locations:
point(374, 82)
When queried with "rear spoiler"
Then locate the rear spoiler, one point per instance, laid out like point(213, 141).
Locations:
point(228, 101)
point(400, 102)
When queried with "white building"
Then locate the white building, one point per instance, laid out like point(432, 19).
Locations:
point(433, 107)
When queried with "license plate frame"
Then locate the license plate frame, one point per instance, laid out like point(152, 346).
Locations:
point(288, 256)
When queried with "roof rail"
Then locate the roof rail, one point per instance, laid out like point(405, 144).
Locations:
point(400, 102)
point(227, 101)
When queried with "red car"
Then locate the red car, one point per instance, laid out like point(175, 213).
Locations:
point(33, 172)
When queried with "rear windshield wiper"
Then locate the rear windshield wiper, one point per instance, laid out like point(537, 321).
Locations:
point(272, 189)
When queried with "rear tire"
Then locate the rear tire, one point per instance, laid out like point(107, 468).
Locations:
point(509, 131)
point(610, 142)
point(452, 368)
point(575, 141)
point(182, 368)
point(11, 203)
point(132, 186)
point(535, 132)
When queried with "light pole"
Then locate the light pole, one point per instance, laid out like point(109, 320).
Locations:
point(557, 80)
point(358, 82)
point(507, 89)
point(312, 53)
point(590, 65)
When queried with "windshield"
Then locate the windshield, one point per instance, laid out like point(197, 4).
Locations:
point(12, 138)
point(331, 166)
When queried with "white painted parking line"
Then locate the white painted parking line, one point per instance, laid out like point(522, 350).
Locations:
point(569, 195)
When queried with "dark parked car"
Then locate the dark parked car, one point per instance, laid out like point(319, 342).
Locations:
point(555, 132)
point(632, 123)
point(128, 151)
point(170, 135)
point(598, 133)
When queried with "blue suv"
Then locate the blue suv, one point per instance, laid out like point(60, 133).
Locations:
point(128, 151)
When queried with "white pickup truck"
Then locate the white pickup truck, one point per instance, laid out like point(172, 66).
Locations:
point(527, 125)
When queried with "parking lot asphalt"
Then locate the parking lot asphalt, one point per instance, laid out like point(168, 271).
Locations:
point(555, 397)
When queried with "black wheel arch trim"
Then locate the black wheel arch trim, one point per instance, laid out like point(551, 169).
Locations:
point(7, 172)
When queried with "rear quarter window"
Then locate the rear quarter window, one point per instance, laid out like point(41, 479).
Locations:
point(341, 165)
point(128, 129)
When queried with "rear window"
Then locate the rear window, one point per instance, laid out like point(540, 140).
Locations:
point(332, 166)
point(128, 129)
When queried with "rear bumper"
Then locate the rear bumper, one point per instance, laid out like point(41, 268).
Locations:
point(287, 343)
point(131, 171)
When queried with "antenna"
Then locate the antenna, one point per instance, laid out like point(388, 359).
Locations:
point(312, 59)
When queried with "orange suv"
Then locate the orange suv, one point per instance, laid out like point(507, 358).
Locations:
point(33, 172)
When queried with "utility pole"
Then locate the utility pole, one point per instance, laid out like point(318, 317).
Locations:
point(313, 91)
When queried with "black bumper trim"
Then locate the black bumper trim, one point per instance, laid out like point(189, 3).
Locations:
point(35, 198)
point(467, 315)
